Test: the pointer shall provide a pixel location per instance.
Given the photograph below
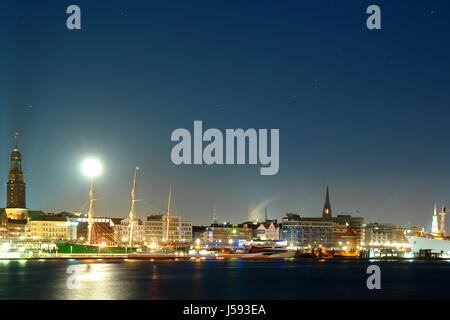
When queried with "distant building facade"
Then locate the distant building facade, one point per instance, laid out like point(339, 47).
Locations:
point(308, 233)
point(268, 231)
point(161, 228)
point(324, 230)
point(382, 234)
point(122, 231)
point(227, 233)
point(16, 229)
point(347, 240)
point(51, 228)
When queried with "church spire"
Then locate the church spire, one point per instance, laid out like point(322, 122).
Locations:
point(434, 225)
point(15, 141)
point(327, 206)
point(214, 215)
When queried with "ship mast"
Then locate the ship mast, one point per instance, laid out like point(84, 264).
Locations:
point(442, 214)
point(91, 210)
point(168, 214)
point(91, 168)
point(132, 213)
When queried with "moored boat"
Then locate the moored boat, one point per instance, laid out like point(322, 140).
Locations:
point(77, 248)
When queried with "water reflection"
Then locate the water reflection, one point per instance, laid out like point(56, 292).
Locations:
point(219, 279)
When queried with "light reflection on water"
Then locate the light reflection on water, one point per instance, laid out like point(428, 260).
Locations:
point(221, 279)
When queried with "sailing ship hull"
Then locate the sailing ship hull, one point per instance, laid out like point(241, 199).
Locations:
point(433, 244)
point(75, 248)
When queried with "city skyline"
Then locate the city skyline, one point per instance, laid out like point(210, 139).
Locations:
point(18, 200)
point(365, 112)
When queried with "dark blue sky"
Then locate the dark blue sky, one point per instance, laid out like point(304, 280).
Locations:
point(365, 110)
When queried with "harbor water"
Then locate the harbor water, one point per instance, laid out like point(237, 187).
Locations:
point(221, 279)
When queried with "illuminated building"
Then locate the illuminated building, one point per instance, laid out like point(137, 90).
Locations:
point(356, 223)
point(338, 232)
point(16, 229)
point(15, 187)
point(346, 241)
point(122, 231)
point(3, 225)
point(227, 233)
point(386, 234)
point(308, 233)
point(342, 220)
point(268, 231)
point(323, 231)
point(157, 225)
point(51, 228)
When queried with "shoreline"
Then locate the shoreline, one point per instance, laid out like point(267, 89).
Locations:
point(200, 257)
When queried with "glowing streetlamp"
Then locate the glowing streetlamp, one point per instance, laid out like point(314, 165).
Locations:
point(91, 168)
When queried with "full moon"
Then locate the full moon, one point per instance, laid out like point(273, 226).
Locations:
point(91, 167)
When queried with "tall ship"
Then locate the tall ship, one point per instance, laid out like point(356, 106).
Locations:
point(99, 237)
point(436, 241)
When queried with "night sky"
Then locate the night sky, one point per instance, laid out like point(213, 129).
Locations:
point(366, 111)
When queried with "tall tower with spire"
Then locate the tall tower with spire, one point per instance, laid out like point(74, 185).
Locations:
point(215, 215)
point(435, 226)
point(327, 206)
point(15, 187)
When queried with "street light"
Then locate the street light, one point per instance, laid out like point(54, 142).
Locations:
point(91, 168)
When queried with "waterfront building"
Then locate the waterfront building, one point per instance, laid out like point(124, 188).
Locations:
point(378, 233)
point(16, 229)
point(338, 231)
point(51, 228)
point(329, 235)
point(186, 231)
point(227, 233)
point(15, 187)
point(339, 223)
point(253, 226)
point(122, 231)
point(308, 233)
point(197, 232)
point(347, 240)
point(356, 223)
point(268, 231)
point(3, 225)
point(386, 234)
point(161, 228)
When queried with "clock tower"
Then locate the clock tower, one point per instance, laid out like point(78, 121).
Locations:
point(15, 187)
